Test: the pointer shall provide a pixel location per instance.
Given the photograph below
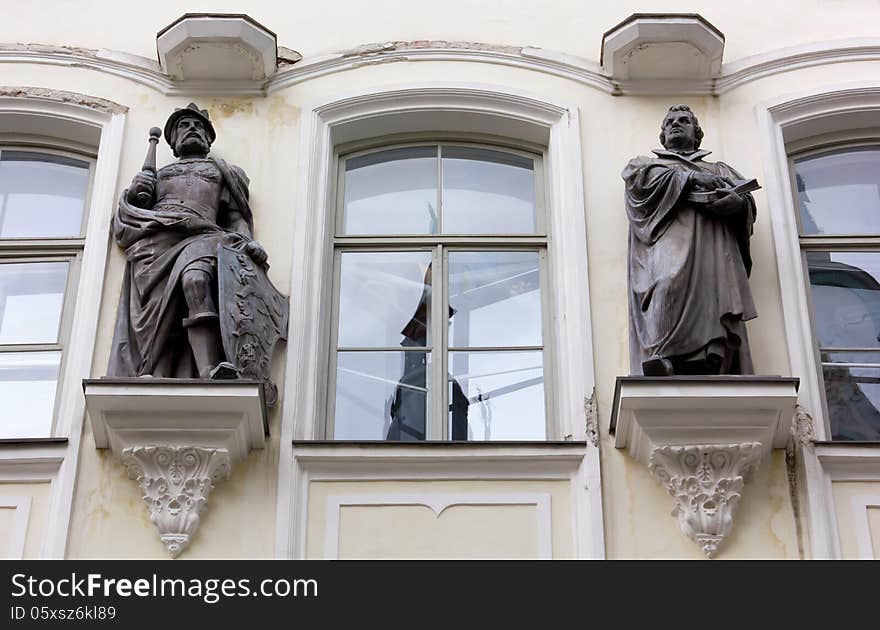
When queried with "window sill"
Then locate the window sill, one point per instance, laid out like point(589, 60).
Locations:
point(441, 459)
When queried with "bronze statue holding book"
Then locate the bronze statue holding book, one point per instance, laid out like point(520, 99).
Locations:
point(689, 261)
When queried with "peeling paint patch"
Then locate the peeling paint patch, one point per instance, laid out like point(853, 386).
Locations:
point(61, 96)
point(287, 57)
point(421, 44)
point(46, 48)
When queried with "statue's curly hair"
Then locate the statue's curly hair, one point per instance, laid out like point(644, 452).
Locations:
point(698, 131)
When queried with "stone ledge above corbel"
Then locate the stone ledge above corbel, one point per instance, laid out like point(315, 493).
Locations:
point(178, 438)
point(702, 438)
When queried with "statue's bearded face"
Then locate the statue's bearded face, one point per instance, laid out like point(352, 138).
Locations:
point(191, 137)
point(680, 131)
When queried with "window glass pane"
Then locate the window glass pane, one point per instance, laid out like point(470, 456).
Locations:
point(31, 301)
point(853, 397)
point(496, 396)
point(839, 192)
point(27, 389)
point(846, 298)
point(494, 299)
point(381, 395)
point(391, 192)
point(384, 299)
point(41, 195)
point(487, 191)
point(850, 356)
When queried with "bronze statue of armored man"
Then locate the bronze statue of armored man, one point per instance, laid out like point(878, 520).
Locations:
point(689, 260)
point(196, 301)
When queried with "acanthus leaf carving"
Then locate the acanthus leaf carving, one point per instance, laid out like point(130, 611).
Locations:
point(706, 482)
point(176, 482)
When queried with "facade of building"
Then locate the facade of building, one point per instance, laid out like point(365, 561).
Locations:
point(439, 193)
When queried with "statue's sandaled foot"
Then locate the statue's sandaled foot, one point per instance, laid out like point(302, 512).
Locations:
point(223, 371)
point(657, 367)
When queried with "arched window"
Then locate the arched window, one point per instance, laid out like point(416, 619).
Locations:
point(439, 295)
point(43, 202)
point(838, 203)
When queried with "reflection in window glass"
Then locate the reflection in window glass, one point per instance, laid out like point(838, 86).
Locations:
point(846, 298)
point(495, 299)
point(487, 191)
point(853, 397)
point(27, 389)
point(31, 301)
point(839, 192)
point(381, 395)
point(496, 396)
point(846, 303)
point(41, 195)
point(384, 299)
point(391, 192)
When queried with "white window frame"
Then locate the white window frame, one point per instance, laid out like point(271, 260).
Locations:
point(789, 123)
point(51, 249)
point(67, 121)
point(463, 109)
point(439, 246)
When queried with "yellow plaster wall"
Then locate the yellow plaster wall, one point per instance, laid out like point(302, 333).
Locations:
point(848, 516)
point(39, 510)
point(462, 530)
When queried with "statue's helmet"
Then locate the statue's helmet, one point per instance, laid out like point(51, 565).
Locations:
point(190, 110)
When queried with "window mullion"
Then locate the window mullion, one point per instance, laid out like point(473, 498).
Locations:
point(435, 430)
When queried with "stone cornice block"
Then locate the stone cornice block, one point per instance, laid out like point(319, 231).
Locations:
point(650, 411)
point(127, 412)
point(670, 46)
point(207, 47)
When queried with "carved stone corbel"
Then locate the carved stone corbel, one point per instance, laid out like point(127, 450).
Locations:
point(176, 482)
point(703, 438)
point(178, 439)
point(706, 482)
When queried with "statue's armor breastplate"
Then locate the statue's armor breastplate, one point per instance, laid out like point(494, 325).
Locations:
point(193, 184)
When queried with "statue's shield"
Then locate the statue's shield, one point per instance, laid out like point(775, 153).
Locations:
point(253, 316)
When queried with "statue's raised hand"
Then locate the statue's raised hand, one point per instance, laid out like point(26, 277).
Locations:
point(142, 187)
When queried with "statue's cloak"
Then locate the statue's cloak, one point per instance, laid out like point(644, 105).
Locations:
point(688, 267)
point(160, 243)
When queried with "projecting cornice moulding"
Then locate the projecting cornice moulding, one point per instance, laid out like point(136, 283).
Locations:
point(148, 72)
point(649, 50)
point(178, 438)
point(217, 48)
point(702, 438)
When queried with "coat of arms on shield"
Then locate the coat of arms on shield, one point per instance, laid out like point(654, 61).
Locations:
point(254, 317)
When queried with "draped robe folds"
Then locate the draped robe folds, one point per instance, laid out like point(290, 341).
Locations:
point(160, 243)
point(688, 267)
